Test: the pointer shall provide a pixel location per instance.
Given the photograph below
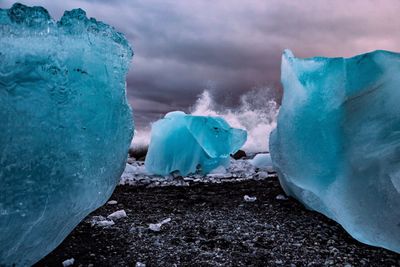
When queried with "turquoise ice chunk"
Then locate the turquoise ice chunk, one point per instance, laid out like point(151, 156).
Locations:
point(186, 143)
point(337, 143)
point(65, 125)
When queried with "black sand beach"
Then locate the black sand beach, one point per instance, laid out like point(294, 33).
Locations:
point(212, 225)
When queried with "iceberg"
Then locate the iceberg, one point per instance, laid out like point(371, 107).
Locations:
point(65, 125)
point(189, 144)
point(336, 147)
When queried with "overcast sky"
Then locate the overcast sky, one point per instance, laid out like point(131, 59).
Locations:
point(184, 46)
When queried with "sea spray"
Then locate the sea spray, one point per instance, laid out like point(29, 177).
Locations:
point(256, 114)
point(142, 138)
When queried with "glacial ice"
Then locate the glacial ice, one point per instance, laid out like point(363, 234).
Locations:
point(68, 262)
point(186, 143)
point(337, 143)
point(262, 161)
point(248, 198)
point(117, 215)
point(65, 125)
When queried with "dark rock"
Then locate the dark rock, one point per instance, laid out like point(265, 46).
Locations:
point(142, 158)
point(239, 154)
point(139, 153)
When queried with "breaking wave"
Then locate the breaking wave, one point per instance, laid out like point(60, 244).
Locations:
point(256, 114)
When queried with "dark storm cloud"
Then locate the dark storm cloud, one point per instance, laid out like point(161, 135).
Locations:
point(182, 47)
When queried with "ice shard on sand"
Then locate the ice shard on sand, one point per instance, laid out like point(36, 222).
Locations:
point(187, 143)
point(65, 125)
point(337, 143)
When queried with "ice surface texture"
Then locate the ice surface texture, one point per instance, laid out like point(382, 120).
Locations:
point(185, 143)
point(337, 144)
point(65, 125)
point(262, 161)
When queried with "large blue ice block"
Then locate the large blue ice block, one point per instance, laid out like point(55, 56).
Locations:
point(65, 125)
point(337, 144)
point(186, 143)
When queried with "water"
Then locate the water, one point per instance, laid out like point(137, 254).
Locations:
point(256, 113)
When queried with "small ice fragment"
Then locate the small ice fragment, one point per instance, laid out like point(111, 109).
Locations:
point(219, 170)
point(104, 223)
point(112, 202)
point(101, 221)
point(281, 197)
point(166, 221)
point(140, 264)
point(156, 227)
point(262, 161)
point(249, 198)
point(68, 262)
point(262, 175)
point(117, 215)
